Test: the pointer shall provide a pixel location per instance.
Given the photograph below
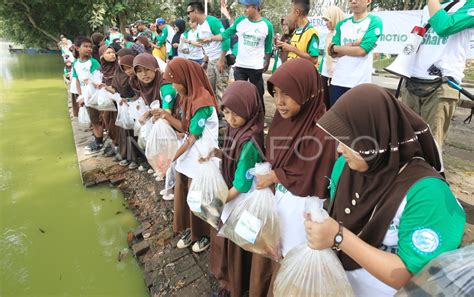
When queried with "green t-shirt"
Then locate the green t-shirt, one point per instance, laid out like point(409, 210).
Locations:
point(249, 156)
point(429, 222)
point(168, 96)
point(445, 24)
point(198, 120)
point(161, 39)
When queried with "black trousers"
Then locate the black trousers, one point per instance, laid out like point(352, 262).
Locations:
point(252, 75)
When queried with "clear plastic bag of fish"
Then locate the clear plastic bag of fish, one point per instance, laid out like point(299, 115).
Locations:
point(123, 117)
point(83, 117)
point(105, 100)
point(306, 272)
point(137, 108)
point(450, 274)
point(254, 224)
point(161, 146)
point(89, 91)
point(208, 194)
point(143, 134)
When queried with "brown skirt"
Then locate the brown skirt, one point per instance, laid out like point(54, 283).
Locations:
point(262, 276)
point(229, 264)
point(183, 218)
point(181, 215)
point(94, 115)
point(109, 118)
point(199, 228)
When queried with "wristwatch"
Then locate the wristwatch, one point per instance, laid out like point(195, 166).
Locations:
point(338, 238)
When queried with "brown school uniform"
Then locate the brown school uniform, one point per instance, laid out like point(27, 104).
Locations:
point(200, 94)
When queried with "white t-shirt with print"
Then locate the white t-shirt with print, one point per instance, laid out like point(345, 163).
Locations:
point(447, 53)
point(211, 26)
point(350, 71)
point(255, 39)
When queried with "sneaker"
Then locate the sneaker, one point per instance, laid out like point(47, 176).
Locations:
point(88, 147)
point(143, 167)
point(168, 197)
point(109, 152)
point(159, 178)
point(95, 149)
point(133, 165)
point(201, 245)
point(151, 171)
point(185, 239)
point(124, 163)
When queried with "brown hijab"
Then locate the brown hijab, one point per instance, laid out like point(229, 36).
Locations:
point(300, 153)
point(126, 60)
point(120, 82)
point(150, 92)
point(243, 98)
point(388, 135)
point(107, 68)
point(97, 40)
point(194, 79)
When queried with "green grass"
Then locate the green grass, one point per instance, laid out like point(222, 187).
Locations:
point(381, 64)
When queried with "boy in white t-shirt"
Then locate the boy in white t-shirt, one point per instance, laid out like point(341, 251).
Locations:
point(254, 46)
point(88, 77)
point(215, 51)
point(352, 45)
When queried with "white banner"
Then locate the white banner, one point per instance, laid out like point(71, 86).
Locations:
point(397, 25)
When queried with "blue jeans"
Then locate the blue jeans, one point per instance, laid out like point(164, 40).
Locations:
point(335, 93)
point(199, 61)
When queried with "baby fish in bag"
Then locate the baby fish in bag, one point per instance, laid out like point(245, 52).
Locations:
point(254, 223)
point(306, 272)
point(208, 193)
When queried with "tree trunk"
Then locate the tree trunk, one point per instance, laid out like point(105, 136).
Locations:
point(27, 13)
point(121, 19)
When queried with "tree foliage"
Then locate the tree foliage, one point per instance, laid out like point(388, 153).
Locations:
point(40, 22)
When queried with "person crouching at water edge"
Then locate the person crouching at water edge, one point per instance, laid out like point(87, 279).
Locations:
point(200, 123)
point(300, 153)
point(392, 212)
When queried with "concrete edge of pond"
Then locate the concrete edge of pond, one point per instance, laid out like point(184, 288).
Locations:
point(168, 271)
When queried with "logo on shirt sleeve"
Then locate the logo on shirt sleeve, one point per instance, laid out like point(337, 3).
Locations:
point(470, 12)
point(425, 240)
point(248, 175)
point(222, 30)
point(168, 98)
point(201, 123)
point(377, 31)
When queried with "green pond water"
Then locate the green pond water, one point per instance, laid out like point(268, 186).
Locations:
point(56, 237)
